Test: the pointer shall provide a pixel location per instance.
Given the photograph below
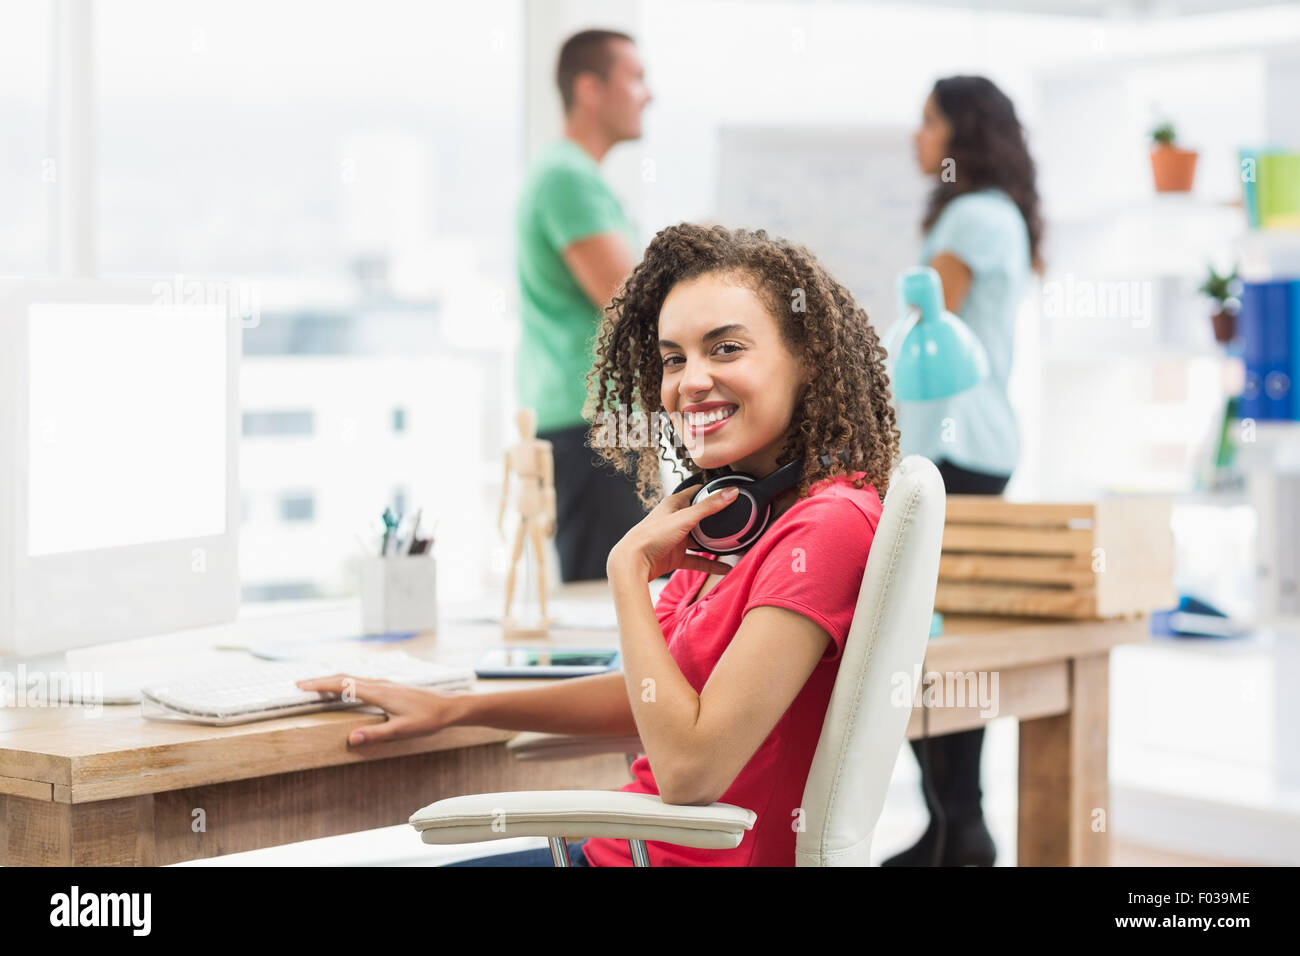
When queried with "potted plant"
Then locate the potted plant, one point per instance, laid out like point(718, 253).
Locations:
point(1223, 291)
point(1173, 168)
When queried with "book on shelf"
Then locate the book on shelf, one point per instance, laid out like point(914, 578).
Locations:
point(1270, 187)
point(1268, 327)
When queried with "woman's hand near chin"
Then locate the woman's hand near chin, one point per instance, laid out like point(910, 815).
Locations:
point(657, 545)
point(412, 711)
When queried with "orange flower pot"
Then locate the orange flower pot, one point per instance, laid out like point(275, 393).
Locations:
point(1173, 168)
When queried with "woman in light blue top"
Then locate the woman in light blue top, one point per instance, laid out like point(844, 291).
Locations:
point(982, 235)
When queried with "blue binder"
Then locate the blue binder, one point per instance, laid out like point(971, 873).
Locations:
point(1293, 323)
point(1266, 334)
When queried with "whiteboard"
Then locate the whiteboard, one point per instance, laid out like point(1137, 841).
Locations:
point(852, 194)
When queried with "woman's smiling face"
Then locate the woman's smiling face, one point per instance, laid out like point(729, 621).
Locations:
point(723, 354)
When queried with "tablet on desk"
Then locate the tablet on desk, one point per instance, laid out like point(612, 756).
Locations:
point(546, 661)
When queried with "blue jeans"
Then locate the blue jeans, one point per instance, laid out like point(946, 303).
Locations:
point(538, 857)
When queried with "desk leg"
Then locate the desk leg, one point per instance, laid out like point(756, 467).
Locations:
point(1064, 788)
point(105, 833)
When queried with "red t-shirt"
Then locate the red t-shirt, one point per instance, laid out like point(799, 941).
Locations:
point(811, 560)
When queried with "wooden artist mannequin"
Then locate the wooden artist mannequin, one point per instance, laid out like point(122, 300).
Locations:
point(532, 460)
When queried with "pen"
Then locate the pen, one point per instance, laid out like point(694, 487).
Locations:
point(390, 529)
point(415, 528)
point(399, 538)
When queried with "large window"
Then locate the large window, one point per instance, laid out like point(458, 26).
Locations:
point(299, 137)
point(353, 167)
point(27, 172)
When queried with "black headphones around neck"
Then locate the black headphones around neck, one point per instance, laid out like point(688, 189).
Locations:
point(742, 522)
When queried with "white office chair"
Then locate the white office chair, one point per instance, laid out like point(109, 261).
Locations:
point(859, 743)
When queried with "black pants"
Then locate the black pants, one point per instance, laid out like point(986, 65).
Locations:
point(954, 759)
point(595, 505)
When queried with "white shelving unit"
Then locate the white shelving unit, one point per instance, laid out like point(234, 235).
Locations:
point(1203, 752)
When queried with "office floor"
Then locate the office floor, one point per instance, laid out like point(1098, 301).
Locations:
point(903, 819)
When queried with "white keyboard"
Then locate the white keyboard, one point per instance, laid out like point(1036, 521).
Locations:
point(262, 691)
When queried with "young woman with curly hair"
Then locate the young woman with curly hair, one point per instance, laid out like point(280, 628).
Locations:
point(754, 357)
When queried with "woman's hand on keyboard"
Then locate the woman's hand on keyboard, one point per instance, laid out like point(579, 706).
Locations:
point(412, 711)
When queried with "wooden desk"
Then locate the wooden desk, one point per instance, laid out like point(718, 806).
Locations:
point(1054, 676)
point(117, 789)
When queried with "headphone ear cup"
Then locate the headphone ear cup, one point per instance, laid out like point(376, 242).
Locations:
point(723, 531)
point(761, 528)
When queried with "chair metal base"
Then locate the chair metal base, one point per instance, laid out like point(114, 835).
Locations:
point(560, 852)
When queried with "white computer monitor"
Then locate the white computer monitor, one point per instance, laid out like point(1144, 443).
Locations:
point(119, 498)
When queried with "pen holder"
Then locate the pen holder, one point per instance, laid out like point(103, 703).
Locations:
point(399, 593)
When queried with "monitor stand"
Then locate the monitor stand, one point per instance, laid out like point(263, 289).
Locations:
point(46, 680)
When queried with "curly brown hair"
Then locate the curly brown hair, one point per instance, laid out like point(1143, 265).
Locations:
point(849, 412)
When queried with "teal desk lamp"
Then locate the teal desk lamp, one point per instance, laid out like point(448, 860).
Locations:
point(932, 353)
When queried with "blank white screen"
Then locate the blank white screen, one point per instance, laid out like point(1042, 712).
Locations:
point(127, 425)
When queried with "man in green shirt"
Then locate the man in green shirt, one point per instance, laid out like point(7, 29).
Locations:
point(575, 247)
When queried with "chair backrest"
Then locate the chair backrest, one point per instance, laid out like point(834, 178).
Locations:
point(871, 704)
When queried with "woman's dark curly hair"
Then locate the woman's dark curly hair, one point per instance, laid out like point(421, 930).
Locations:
point(848, 411)
point(987, 144)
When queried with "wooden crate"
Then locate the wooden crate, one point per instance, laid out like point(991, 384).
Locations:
point(1109, 558)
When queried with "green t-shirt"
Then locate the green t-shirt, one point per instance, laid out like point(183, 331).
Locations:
point(564, 199)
